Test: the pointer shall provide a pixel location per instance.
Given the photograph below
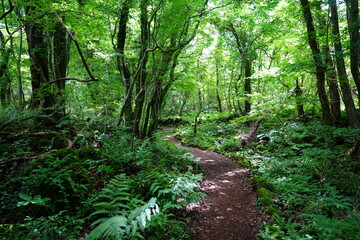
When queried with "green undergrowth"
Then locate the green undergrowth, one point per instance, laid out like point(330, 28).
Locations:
point(189, 118)
point(306, 175)
point(100, 188)
point(214, 135)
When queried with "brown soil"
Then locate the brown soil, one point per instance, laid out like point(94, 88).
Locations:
point(229, 212)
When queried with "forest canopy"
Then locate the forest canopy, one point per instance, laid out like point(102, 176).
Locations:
point(136, 60)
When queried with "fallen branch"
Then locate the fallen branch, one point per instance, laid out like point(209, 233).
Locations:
point(247, 138)
point(70, 145)
point(30, 157)
point(5, 124)
point(76, 79)
point(32, 133)
point(39, 133)
point(354, 152)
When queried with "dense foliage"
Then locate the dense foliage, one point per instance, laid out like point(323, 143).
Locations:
point(106, 190)
point(86, 84)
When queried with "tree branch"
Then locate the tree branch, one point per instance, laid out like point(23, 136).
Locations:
point(5, 124)
point(30, 157)
point(202, 12)
point(12, 5)
point(78, 48)
point(76, 79)
point(70, 145)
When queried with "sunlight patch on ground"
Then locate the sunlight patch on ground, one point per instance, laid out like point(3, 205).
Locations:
point(225, 181)
point(210, 185)
point(199, 206)
point(235, 172)
point(209, 161)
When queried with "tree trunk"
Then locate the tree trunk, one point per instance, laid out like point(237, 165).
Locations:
point(299, 102)
point(341, 69)
point(196, 120)
point(143, 59)
point(183, 103)
point(247, 87)
point(21, 95)
point(330, 72)
point(320, 70)
point(121, 63)
point(4, 83)
point(61, 61)
point(218, 98)
point(247, 65)
point(333, 87)
point(237, 104)
point(159, 93)
point(354, 26)
point(42, 93)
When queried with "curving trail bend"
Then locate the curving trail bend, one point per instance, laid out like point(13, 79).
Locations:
point(229, 212)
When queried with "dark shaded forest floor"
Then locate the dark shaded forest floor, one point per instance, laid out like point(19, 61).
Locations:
point(229, 212)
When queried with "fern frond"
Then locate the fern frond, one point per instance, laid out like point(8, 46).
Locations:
point(118, 227)
point(110, 205)
point(112, 228)
point(143, 214)
point(126, 218)
point(108, 213)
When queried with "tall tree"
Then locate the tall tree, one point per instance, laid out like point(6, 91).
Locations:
point(4, 80)
point(38, 48)
point(341, 69)
point(244, 47)
point(61, 57)
point(48, 40)
point(164, 42)
point(217, 74)
point(121, 62)
point(334, 95)
point(352, 7)
point(319, 65)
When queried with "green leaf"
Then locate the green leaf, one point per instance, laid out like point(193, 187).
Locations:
point(22, 203)
point(25, 197)
point(38, 201)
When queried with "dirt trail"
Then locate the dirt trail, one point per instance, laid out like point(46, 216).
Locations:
point(229, 211)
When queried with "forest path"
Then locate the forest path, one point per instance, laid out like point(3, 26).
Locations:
point(229, 212)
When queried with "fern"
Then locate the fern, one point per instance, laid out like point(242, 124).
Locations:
point(119, 213)
point(118, 227)
point(182, 189)
point(115, 198)
point(141, 215)
point(112, 228)
point(186, 187)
